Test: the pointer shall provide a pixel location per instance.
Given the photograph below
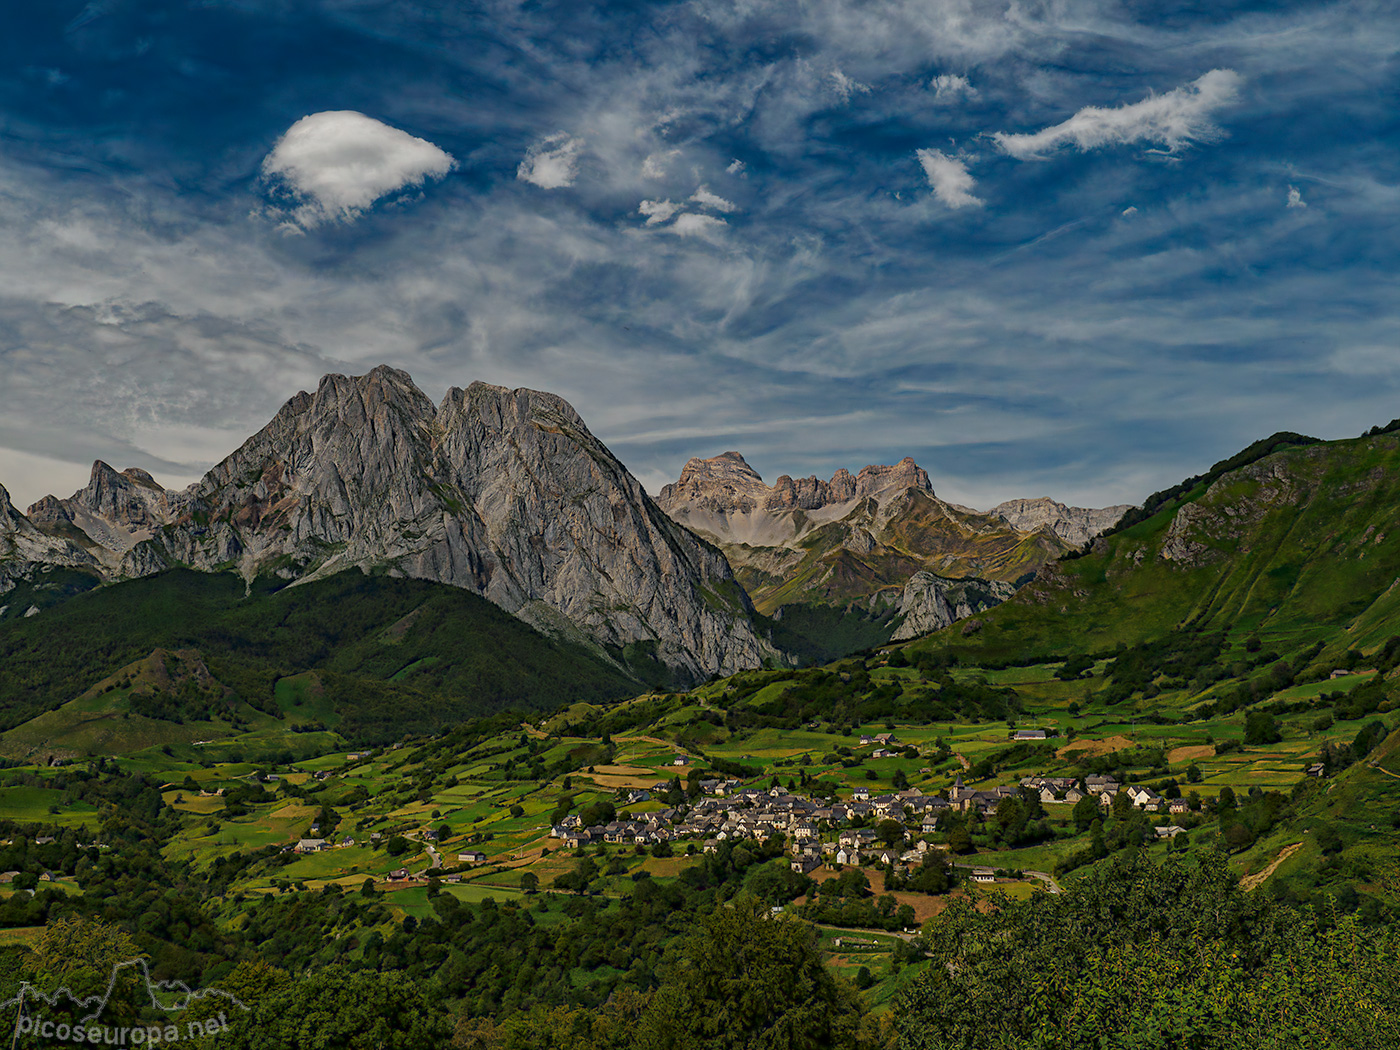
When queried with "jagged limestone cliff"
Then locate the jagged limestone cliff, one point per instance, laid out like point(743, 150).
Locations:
point(503, 492)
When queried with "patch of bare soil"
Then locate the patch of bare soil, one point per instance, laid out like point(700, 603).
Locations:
point(612, 781)
point(627, 771)
point(1096, 747)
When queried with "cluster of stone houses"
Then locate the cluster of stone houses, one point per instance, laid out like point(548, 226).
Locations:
point(729, 811)
point(965, 799)
point(1105, 790)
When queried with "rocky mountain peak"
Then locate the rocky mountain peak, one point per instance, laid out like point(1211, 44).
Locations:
point(139, 476)
point(130, 498)
point(23, 547)
point(879, 481)
point(49, 512)
point(722, 483)
point(112, 513)
point(504, 492)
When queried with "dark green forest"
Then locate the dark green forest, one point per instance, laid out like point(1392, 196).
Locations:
point(397, 656)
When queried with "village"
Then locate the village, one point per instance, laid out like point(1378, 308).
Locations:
point(828, 832)
point(818, 831)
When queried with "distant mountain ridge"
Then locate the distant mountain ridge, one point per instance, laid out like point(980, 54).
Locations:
point(1075, 525)
point(864, 537)
point(503, 492)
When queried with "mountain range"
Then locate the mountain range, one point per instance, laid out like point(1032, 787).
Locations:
point(863, 538)
point(502, 492)
point(507, 494)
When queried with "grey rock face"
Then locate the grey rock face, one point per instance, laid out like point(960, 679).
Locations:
point(503, 492)
point(115, 511)
point(1075, 525)
point(931, 602)
point(722, 483)
point(24, 548)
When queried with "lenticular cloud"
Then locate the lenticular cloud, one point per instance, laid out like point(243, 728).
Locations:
point(1172, 120)
point(336, 164)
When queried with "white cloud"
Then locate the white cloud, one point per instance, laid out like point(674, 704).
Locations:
point(949, 87)
point(1295, 198)
point(553, 163)
point(654, 167)
point(658, 212)
point(1130, 210)
point(693, 225)
point(336, 164)
point(706, 199)
point(949, 178)
point(736, 167)
point(847, 87)
point(1172, 120)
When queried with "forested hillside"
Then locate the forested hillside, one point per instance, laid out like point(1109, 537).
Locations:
point(393, 655)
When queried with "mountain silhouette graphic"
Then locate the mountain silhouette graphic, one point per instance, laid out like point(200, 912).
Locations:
point(169, 996)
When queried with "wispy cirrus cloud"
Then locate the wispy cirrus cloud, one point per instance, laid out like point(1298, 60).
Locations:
point(337, 164)
point(847, 87)
point(1172, 120)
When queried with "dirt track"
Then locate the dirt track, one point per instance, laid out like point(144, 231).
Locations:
point(1251, 882)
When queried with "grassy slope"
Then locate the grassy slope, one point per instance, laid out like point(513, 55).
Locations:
point(1301, 546)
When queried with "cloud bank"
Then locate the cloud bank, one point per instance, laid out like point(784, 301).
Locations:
point(1173, 120)
point(949, 178)
point(336, 164)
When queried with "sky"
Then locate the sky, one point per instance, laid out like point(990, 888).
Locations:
point(1063, 248)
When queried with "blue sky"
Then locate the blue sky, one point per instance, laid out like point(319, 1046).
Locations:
point(1068, 249)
